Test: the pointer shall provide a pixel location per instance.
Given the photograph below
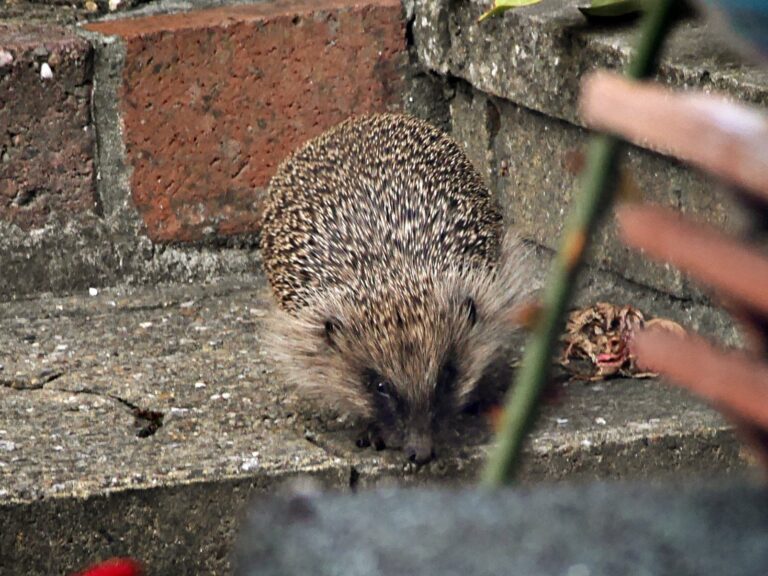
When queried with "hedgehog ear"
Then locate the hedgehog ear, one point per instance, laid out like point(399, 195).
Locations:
point(332, 328)
point(471, 308)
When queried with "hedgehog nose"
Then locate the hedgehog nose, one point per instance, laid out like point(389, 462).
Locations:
point(418, 449)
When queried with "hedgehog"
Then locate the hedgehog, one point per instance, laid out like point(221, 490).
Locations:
point(395, 277)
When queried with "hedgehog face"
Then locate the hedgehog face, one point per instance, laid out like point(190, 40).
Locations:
point(406, 354)
point(407, 409)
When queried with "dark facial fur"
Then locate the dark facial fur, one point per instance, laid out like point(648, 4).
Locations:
point(385, 251)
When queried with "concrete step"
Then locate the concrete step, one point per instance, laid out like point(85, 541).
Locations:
point(87, 471)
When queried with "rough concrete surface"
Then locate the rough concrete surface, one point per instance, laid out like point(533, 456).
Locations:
point(526, 158)
point(593, 530)
point(536, 56)
point(138, 421)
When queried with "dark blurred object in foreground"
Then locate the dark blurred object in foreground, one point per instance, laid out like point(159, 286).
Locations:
point(599, 529)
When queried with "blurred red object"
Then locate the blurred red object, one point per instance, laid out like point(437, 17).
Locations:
point(115, 567)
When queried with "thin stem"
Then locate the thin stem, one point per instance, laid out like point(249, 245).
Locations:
point(599, 182)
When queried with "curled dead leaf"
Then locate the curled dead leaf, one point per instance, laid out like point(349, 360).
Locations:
point(601, 336)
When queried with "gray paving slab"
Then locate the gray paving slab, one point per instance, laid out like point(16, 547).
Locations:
point(87, 471)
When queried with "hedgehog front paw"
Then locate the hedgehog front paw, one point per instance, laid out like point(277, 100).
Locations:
point(371, 436)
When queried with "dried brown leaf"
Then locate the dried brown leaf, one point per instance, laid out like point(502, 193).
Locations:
point(601, 336)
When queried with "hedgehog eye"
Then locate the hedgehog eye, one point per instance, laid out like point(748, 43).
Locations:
point(379, 384)
point(384, 388)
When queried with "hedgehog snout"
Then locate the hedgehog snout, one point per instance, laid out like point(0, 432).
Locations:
point(419, 448)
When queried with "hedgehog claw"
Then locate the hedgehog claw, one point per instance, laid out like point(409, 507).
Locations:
point(371, 437)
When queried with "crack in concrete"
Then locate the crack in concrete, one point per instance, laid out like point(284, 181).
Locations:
point(34, 383)
point(147, 421)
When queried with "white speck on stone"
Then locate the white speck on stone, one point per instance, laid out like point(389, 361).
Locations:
point(226, 395)
point(600, 420)
point(146, 325)
point(216, 397)
point(179, 411)
point(6, 58)
point(187, 304)
point(93, 291)
point(249, 464)
point(61, 347)
point(59, 307)
point(200, 384)
point(114, 5)
point(45, 71)
point(58, 448)
point(112, 303)
point(561, 421)
point(58, 487)
point(7, 446)
point(586, 443)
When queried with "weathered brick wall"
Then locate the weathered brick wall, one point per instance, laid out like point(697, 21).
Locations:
point(138, 148)
point(212, 101)
point(46, 133)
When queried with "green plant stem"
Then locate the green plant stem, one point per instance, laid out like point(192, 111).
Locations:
point(599, 183)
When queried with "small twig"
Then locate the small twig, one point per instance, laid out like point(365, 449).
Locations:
point(598, 187)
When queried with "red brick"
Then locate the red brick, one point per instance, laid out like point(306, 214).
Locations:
point(46, 137)
point(213, 100)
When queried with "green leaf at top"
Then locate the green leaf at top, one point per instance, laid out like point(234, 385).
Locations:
point(613, 8)
point(500, 6)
